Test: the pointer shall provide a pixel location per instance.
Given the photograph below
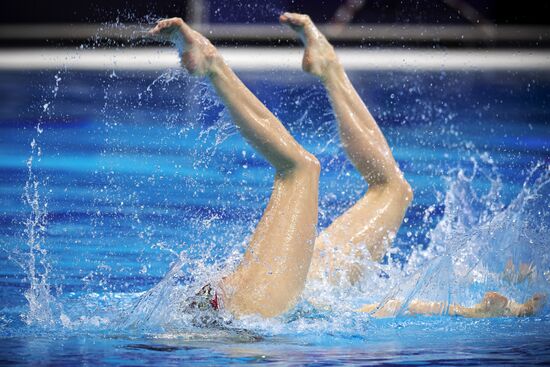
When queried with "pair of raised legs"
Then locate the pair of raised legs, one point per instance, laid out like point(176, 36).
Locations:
point(284, 250)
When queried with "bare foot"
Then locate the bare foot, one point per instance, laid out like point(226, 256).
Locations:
point(494, 304)
point(319, 54)
point(198, 55)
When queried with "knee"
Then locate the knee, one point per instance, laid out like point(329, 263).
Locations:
point(407, 191)
point(401, 188)
point(308, 163)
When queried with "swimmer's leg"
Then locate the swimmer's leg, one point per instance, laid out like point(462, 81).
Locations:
point(272, 274)
point(492, 305)
point(374, 220)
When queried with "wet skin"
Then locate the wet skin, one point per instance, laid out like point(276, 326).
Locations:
point(284, 251)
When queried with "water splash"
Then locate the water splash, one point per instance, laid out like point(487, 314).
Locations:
point(457, 266)
point(478, 240)
point(43, 306)
point(164, 308)
point(479, 237)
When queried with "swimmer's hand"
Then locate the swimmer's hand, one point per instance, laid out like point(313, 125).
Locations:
point(526, 271)
point(197, 54)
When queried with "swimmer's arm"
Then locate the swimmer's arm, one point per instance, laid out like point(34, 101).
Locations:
point(416, 307)
point(492, 305)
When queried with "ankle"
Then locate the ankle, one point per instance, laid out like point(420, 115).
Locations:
point(202, 59)
point(332, 71)
point(216, 65)
point(213, 59)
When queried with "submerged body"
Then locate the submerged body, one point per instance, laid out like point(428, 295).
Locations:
point(284, 251)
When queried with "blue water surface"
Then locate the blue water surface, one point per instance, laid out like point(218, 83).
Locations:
point(133, 168)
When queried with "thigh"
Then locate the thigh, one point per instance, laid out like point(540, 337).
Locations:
point(272, 274)
point(366, 230)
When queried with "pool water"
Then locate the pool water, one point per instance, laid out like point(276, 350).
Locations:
point(122, 192)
